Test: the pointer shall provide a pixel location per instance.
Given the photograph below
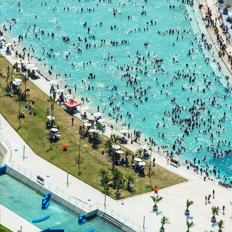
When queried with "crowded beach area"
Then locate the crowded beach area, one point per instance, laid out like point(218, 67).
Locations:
point(156, 75)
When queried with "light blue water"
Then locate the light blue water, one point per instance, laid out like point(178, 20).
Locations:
point(26, 202)
point(110, 63)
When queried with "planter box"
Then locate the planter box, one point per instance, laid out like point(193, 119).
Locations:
point(213, 219)
point(162, 230)
point(155, 208)
point(187, 213)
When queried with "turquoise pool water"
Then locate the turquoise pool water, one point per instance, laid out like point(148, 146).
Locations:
point(26, 202)
point(133, 67)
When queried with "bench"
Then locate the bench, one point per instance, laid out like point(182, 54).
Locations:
point(174, 165)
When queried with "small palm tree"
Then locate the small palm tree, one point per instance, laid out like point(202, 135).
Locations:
point(52, 100)
point(214, 211)
point(220, 225)
point(117, 177)
point(189, 225)
point(103, 173)
point(24, 79)
point(164, 220)
point(108, 144)
point(139, 152)
point(114, 138)
point(130, 180)
point(7, 79)
point(188, 203)
point(156, 199)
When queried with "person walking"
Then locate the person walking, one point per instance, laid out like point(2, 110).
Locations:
point(209, 198)
point(206, 200)
point(213, 193)
point(223, 209)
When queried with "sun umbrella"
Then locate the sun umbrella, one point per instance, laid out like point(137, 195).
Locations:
point(92, 130)
point(97, 114)
point(8, 44)
point(123, 131)
point(85, 107)
point(142, 163)
point(53, 82)
point(17, 79)
point(50, 117)
point(119, 151)
point(59, 90)
point(146, 147)
point(138, 159)
point(34, 68)
point(98, 131)
point(16, 82)
point(30, 65)
point(68, 97)
point(115, 146)
point(1, 37)
point(54, 130)
point(101, 120)
point(87, 124)
point(24, 61)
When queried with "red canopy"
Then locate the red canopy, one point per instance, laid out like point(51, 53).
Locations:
point(72, 103)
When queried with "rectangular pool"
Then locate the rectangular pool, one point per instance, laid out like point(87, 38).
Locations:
point(26, 202)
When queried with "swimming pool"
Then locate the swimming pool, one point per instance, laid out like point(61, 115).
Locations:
point(177, 52)
point(26, 202)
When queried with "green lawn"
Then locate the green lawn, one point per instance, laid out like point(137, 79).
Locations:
point(4, 229)
point(33, 131)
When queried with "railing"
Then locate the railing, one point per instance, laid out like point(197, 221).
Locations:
point(8, 144)
point(74, 199)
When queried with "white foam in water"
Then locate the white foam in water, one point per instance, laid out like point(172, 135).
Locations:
point(108, 74)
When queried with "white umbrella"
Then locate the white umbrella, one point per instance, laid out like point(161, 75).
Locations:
point(146, 147)
point(30, 65)
point(142, 163)
point(17, 79)
point(84, 107)
point(115, 146)
point(50, 117)
point(34, 68)
point(54, 130)
point(68, 97)
point(87, 124)
point(92, 130)
point(97, 114)
point(119, 151)
point(1, 37)
point(53, 82)
point(8, 44)
point(101, 120)
point(24, 61)
point(138, 160)
point(16, 82)
point(98, 131)
point(123, 131)
point(59, 90)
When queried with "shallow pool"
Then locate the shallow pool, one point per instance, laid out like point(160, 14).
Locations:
point(26, 202)
point(149, 51)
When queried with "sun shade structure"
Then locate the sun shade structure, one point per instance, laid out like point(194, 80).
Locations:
point(72, 103)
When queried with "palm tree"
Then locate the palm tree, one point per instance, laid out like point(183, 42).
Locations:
point(139, 152)
point(24, 80)
point(128, 153)
point(220, 225)
point(108, 145)
point(189, 225)
point(117, 177)
point(164, 220)
point(188, 203)
point(130, 180)
point(7, 79)
point(115, 139)
point(103, 173)
point(156, 199)
point(214, 211)
point(52, 100)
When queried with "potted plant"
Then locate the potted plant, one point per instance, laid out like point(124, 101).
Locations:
point(220, 225)
point(189, 225)
point(214, 210)
point(164, 220)
point(156, 199)
point(188, 203)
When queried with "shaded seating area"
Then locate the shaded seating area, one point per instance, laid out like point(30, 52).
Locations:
point(123, 140)
point(71, 106)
